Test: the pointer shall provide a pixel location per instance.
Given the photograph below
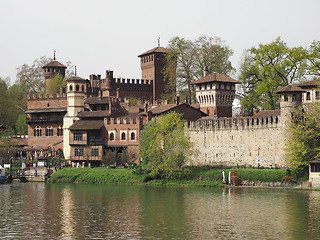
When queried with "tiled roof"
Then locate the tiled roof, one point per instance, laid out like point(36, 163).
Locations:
point(54, 63)
point(89, 114)
point(162, 108)
point(87, 125)
point(267, 113)
point(195, 105)
point(155, 50)
point(96, 100)
point(46, 110)
point(290, 88)
point(315, 82)
point(75, 78)
point(215, 77)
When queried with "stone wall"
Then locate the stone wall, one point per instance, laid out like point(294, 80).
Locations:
point(238, 141)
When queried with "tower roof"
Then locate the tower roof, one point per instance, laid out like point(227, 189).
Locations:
point(76, 78)
point(155, 50)
point(290, 88)
point(215, 77)
point(54, 63)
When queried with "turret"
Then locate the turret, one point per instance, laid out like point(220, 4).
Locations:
point(76, 92)
point(51, 70)
point(290, 99)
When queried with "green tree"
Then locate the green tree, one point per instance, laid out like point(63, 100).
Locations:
point(268, 67)
point(57, 82)
point(164, 145)
point(187, 59)
point(303, 140)
point(21, 124)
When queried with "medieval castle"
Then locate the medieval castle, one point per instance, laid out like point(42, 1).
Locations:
point(92, 116)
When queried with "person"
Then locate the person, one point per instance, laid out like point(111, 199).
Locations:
point(35, 172)
point(234, 173)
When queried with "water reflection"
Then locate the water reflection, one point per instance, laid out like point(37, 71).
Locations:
point(72, 211)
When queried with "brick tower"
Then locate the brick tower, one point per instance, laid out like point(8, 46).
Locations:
point(51, 69)
point(215, 93)
point(152, 63)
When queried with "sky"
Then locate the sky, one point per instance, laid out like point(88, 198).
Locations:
point(100, 35)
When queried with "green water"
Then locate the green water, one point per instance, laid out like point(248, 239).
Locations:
point(76, 211)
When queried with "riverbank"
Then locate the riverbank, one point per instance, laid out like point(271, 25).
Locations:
point(190, 176)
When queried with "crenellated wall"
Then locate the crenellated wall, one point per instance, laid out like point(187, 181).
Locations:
point(232, 141)
point(47, 101)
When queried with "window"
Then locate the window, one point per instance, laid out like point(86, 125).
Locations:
point(133, 136)
point(308, 96)
point(111, 136)
point(123, 136)
point(95, 152)
point(60, 131)
point(77, 136)
point(285, 98)
point(70, 87)
point(77, 87)
point(82, 88)
point(37, 131)
point(294, 97)
point(78, 152)
point(317, 95)
point(49, 131)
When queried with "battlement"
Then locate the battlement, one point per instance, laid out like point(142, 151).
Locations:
point(234, 123)
point(132, 81)
point(46, 96)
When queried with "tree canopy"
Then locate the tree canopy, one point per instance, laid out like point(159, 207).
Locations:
point(164, 145)
point(187, 59)
point(303, 140)
point(268, 67)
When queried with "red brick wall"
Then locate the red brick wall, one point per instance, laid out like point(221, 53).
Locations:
point(43, 103)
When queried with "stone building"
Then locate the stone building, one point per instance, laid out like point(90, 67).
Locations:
point(258, 140)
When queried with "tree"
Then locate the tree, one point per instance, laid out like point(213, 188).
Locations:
point(187, 59)
point(57, 82)
point(267, 68)
point(164, 145)
point(303, 140)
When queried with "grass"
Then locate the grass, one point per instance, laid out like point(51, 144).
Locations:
point(205, 176)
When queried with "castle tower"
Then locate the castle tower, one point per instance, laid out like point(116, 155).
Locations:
point(76, 92)
point(290, 99)
point(215, 93)
point(50, 70)
point(152, 64)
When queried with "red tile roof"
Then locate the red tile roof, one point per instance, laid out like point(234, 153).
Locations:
point(54, 63)
point(215, 77)
point(290, 88)
point(155, 50)
point(315, 82)
point(267, 113)
point(75, 78)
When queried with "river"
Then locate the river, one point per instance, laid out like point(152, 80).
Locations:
point(80, 211)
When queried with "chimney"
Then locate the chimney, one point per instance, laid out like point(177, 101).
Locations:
point(205, 71)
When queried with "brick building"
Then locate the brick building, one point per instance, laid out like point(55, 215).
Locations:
point(92, 116)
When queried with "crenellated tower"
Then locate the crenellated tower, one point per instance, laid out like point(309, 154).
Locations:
point(152, 64)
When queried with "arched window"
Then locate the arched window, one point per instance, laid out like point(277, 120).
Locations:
point(77, 87)
point(82, 88)
point(60, 131)
point(70, 87)
point(49, 131)
point(111, 137)
point(133, 136)
point(123, 136)
point(37, 131)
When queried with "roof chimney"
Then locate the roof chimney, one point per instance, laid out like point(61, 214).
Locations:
point(205, 71)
